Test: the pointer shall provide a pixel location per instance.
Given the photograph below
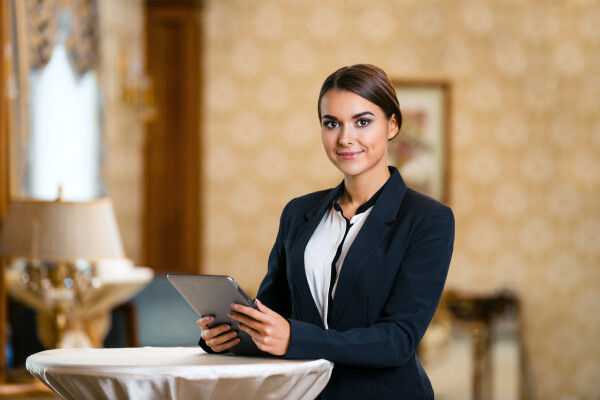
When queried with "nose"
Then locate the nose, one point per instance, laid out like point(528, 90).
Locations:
point(346, 137)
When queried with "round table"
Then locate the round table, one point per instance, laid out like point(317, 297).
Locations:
point(175, 373)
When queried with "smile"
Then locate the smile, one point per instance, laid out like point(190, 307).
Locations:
point(349, 155)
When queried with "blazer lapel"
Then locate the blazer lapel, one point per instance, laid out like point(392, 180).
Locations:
point(376, 227)
point(312, 218)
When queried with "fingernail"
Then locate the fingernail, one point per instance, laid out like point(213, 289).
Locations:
point(258, 301)
point(230, 314)
point(208, 318)
point(234, 306)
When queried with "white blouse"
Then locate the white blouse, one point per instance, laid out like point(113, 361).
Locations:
point(333, 237)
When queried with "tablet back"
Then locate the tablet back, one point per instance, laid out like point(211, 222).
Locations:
point(213, 295)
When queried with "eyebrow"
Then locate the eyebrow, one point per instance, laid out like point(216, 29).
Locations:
point(327, 116)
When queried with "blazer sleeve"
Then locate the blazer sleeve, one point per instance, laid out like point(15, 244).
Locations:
point(392, 340)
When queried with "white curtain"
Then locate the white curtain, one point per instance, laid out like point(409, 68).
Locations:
point(64, 142)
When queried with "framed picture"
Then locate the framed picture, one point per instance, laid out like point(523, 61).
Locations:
point(420, 152)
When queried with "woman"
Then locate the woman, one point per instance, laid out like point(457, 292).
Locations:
point(357, 271)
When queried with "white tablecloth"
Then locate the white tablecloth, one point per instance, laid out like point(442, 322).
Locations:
point(147, 373)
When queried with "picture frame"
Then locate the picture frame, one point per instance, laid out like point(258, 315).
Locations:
point(421, 149)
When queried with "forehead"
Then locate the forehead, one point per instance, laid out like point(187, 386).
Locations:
point(342, 103)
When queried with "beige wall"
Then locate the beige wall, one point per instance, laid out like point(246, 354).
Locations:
point(525, 157)
point(525, 160)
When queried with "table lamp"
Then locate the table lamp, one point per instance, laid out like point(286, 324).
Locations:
point(55, 245)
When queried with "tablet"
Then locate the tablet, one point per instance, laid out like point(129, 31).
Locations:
point(213, 295)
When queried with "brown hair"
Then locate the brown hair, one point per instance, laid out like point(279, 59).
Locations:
point(370, 83)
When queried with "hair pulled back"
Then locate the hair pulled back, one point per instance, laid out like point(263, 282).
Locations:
point(370, 83)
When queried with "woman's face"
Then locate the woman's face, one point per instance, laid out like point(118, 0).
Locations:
point(355, 133)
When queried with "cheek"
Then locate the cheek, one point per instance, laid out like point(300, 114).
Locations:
point(377, 139)
point(328, 140)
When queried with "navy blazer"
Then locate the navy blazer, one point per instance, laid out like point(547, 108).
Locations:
point(388, 290)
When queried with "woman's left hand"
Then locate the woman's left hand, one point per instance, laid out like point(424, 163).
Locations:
point(269, 330)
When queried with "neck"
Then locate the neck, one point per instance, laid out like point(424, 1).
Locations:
point(359, 189)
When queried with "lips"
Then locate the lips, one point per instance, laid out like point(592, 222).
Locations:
point(349, 155)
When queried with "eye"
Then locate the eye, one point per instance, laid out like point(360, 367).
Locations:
point(330, 124)
point(363, 122)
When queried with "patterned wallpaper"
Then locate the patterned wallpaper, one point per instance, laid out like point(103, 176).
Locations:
point(525, 144)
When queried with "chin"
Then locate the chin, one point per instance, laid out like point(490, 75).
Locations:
point(351, 170)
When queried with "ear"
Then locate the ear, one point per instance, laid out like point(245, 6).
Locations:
point(393, 129)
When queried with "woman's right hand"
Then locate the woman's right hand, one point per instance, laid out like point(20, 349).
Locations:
point(218, 338)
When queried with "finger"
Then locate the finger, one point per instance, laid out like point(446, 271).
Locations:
point(204, 321)
point(254, 334)
point(226, 345)
point(219, 340)
point(216, 331)
point(249, 311)
point(244, 319)
point(264, 309)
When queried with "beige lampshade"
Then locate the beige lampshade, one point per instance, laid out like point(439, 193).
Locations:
point(61, 230)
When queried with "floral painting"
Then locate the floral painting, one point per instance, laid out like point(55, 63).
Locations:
point(420, 150)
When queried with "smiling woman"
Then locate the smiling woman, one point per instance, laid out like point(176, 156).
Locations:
point(356, 271)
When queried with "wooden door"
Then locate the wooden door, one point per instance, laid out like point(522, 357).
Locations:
point(172, 152)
